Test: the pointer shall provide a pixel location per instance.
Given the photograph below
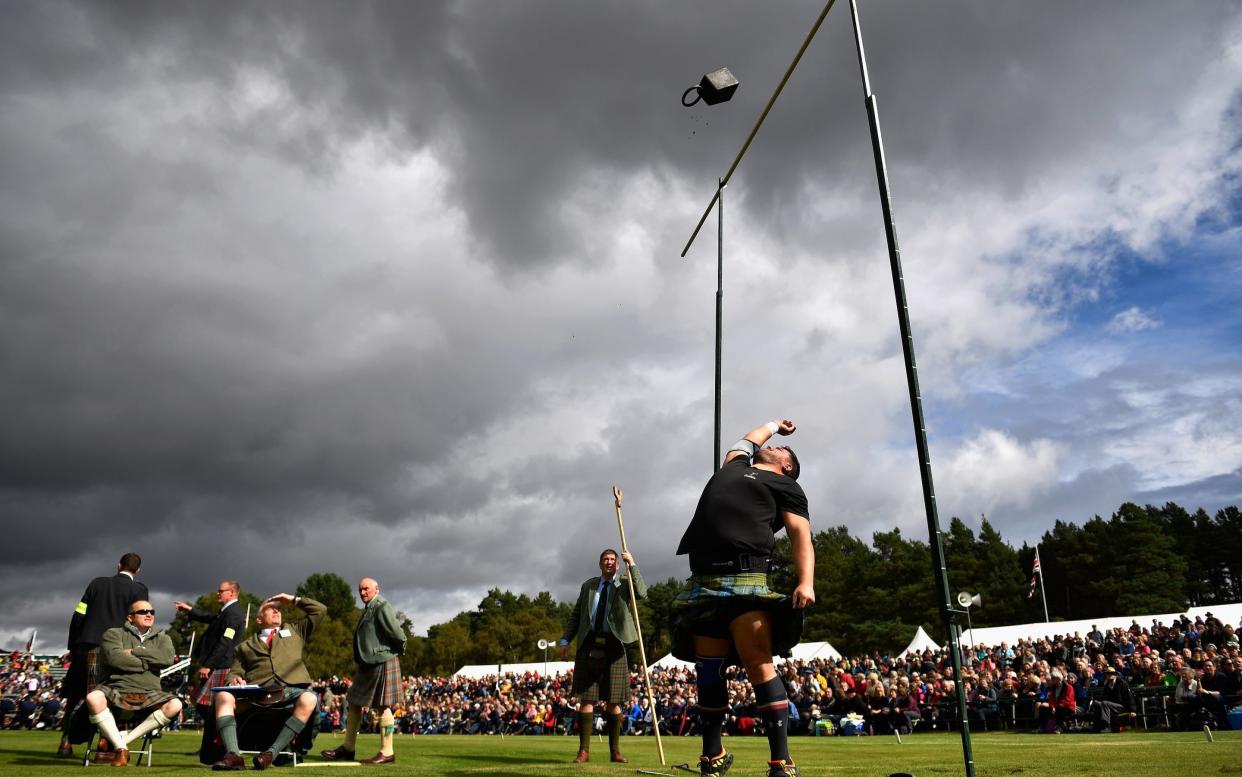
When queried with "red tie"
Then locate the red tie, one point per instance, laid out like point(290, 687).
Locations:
point(271, 637)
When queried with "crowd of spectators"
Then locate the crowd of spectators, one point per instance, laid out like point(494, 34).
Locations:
point(1090, 681)
point(29, 692)
point(1046, 684)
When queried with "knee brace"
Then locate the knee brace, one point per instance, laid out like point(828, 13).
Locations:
point(713, 690)
point(771, 695)
point(388, 724)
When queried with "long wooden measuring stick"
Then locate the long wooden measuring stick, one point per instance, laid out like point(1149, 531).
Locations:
point(642, 651)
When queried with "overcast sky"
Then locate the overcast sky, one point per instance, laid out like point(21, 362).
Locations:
point(393, 289)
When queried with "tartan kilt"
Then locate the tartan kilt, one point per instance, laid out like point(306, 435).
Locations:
point(606, 681)
point(376, 685)
point(217, 678)
point(711, 603)
point(83, 674)
point(134, 702)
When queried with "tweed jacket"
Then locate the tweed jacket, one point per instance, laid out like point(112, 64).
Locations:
point(378, 635)
point(282, 664)
point(138, 670)
point(620, 619)
point(225, 630)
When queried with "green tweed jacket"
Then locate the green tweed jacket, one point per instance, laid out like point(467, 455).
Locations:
point(282, 664)
point(620, 619)
point(138, 670)
point(378, 635)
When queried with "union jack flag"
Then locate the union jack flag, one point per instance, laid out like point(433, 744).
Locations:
point(1036, 573)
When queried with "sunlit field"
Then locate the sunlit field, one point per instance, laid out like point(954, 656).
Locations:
point(997, 753)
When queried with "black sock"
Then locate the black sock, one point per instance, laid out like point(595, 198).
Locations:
point(713, 702)
point(773, 705)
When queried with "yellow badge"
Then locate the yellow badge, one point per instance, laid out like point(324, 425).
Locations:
point(80, 609)
point(228, 633)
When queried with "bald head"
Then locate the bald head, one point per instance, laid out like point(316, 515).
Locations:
point(368, 588)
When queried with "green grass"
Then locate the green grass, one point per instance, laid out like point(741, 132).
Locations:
point(996, 754)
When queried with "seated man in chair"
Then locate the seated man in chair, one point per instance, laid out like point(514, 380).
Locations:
point(130, 660)
point(272, 658)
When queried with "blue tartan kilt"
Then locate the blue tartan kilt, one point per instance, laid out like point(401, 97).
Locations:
point(712, 602)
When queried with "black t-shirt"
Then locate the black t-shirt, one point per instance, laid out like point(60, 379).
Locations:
point(740, 511)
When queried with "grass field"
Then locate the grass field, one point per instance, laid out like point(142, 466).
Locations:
point(1109, 755)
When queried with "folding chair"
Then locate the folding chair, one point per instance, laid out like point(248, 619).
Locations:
point(125, 721)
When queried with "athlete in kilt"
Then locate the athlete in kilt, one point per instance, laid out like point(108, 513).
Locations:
point(130, 660)
point(602, 625)
point(379, 641)
point(729, 615)
point(271, 658)
point(214, 653)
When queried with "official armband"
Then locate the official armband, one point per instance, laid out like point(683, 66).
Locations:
point(80, 609)
point(229, 632)
point(745, 446)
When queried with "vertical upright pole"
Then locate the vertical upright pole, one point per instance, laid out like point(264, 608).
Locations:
point(1043, 594)
point(638, 628)
point(916, 402)
point(720, 186)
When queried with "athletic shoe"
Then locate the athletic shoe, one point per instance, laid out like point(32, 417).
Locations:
point(782, 769)
point(717, 766)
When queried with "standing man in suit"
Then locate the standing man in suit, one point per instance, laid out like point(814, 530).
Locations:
point(271, 658)
point(602, 625)
point(215, 650)
point(104, 605)
point(729, 615)
point(379, 641)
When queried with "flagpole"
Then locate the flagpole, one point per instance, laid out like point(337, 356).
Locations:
point(1042, 593)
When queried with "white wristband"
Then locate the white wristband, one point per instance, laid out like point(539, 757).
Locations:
point(773, 427)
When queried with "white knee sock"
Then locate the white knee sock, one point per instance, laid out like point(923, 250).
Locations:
point(387, 727)
point(154, 720)
point(107, 727)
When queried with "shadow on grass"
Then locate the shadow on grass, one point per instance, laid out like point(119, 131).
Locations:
point(515, 758)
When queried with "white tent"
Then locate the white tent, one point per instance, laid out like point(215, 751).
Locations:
point(805, 651)
point(671, 662)
point(920, 643)
point(994, 635)
point(476, 671)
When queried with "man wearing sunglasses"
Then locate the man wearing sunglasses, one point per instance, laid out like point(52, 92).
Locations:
point(130, 660)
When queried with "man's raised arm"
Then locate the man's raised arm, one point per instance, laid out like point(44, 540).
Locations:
point(755, 438)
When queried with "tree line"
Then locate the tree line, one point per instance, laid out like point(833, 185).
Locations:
point(870, 597)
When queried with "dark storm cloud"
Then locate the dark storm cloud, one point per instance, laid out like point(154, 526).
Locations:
point(180, 358)
point(528, 99)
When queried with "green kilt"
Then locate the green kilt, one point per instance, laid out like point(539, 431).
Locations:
point(601, 671)
point(712, 602)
